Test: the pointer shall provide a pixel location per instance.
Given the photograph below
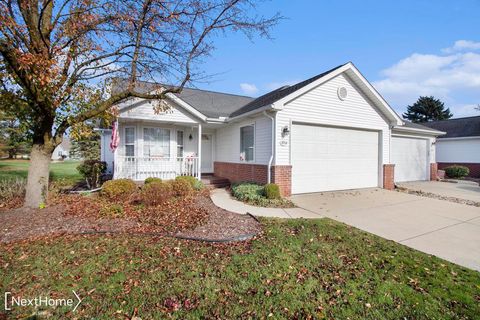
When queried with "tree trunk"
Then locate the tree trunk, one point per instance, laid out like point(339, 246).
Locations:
point(38, 173)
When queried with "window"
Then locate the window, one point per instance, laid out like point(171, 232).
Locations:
point(179, 143)
point(247, 141)
point(156, 142)
point(130, 142)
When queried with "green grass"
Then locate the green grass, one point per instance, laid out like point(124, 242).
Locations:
point(66, 170)
point(298, 268)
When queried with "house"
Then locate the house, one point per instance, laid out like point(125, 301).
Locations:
point(333, 131)
point(461, 144)
point(62, 151)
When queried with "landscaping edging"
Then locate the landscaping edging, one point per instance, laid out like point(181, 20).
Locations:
point(437, 196)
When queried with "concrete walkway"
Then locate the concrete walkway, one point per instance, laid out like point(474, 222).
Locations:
point(463, 189)
point(223, 199)
point(448, 230)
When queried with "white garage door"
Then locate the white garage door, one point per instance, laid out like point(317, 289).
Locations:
point(410, 158)
point(327, 158)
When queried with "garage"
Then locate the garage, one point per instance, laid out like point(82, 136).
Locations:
point(332, 158)
point(410, 156)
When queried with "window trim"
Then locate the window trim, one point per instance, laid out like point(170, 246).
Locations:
point(180, 145)
point(254, 141)
point(169, 140)
point(125, 144)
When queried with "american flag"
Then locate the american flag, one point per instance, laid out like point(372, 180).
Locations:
point(115, 139)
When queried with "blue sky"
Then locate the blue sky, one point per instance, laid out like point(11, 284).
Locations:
point(404, 48)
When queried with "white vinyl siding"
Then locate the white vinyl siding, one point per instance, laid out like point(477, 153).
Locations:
point(332, 158)
point(410, 156)
point(458, 150)
point(228, 141)
point(322, 106)
point(144, 111)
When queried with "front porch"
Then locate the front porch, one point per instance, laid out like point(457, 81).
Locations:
point(162, 149)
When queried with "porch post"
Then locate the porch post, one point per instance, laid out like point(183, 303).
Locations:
point(199, 169)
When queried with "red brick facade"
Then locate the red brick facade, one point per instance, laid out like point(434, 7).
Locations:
point(282, 175)
point(473, 167)
point(389, 176)
point(239, 172)
point(433, 171)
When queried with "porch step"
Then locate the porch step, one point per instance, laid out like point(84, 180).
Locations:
point(211, 181)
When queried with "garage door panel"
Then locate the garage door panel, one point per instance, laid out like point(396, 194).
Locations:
point(410, 157)
point(327, 158)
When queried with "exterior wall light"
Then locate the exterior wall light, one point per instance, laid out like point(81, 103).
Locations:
point(285, 131)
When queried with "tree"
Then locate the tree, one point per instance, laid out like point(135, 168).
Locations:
point(56, 55)
point(427, 109)
point(15, 137)
point(85, 143)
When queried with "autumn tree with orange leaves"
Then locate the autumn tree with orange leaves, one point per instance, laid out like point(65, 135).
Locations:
point(58, 58)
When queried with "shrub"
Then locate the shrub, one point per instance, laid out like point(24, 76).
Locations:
point(154, 194)
point(456, 171)
point(198, 185)
point(181, 187)
point(119, 189)
point(11, 189)
point(152, 179)
point(114, 211)
point(191, 180)
point(92, 171)
point(272, 191)
point(256, 194)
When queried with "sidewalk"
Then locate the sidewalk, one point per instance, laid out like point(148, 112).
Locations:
point(224, 200)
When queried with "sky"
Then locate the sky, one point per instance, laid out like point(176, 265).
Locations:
point(404, 48)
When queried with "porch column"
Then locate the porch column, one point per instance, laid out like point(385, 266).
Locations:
point(199, 169)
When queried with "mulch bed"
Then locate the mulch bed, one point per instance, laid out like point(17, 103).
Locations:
point(208, 222)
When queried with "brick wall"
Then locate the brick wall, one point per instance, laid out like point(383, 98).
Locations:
point(241, 172)
point(282, 175)
point(388, 176)
point(474, 167)
point(433, 171)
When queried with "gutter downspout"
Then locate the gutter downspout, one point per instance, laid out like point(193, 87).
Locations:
point(269, 174)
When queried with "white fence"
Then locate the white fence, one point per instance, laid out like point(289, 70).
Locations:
point(140, 168)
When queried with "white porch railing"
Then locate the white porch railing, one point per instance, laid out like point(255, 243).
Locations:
point(140, 168)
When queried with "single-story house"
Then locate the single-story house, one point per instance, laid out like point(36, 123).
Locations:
point(62, 151)
point(333, 131)
point(461, 144)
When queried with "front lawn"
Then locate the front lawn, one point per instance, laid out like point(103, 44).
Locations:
point(65, 170)
point(297, 268)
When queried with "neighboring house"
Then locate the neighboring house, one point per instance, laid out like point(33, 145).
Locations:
point(62, 151)
point(461, 144)
point(330, 132)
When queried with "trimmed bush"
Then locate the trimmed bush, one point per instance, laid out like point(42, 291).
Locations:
point(272, 191)
point(152, 179)
point(154, 194)
point(92, 171)
point(181, 187)
point(456, 171)
point(191, 180)
point(120, 189)
point(198, 185)
point(256, 194)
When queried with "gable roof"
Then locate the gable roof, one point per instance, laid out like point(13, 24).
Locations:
point(278, 94)
point(459, 127)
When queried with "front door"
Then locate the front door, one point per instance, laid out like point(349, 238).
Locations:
point(207, 153)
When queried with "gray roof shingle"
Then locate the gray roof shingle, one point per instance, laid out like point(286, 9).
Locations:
point(456, 128)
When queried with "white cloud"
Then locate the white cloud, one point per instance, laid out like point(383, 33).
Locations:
point(453, 78)
point(462, 45)
point(249, 88)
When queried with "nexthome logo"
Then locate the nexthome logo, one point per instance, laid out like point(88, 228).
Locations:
point(40, 301)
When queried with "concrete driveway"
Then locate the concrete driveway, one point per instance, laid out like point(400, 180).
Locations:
point(442, 228)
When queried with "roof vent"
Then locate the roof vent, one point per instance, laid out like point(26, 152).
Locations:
point(284, 87)
point(342, 93)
